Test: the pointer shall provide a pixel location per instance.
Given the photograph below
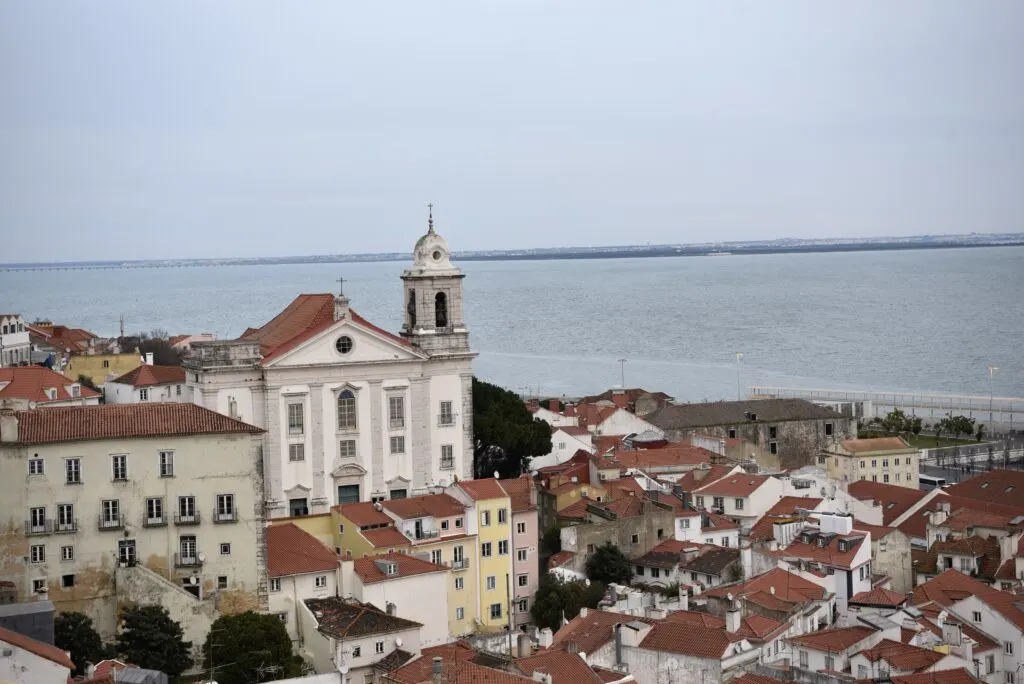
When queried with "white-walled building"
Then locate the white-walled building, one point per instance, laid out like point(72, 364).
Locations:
point(148, 383)
point(15, 345)
point(565, 442)
point(36, 387)
point(406, 586)
point(352, 412)
point(739, 496)
point(24, 660)
point(299, 567)
point(344, 635)
point(1000, 615)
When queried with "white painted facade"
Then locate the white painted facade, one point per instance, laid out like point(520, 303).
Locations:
point(555, 419)
point(287, 594)
point(622, 422)
point(123, 393)
point(1010, 637)
point(563, 447)
point(747, 509)
point(422, 598)
point(15, 346)
point(430, 372)
point(21, 666)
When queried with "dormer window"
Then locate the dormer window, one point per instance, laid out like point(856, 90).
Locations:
point(391, 569)
point(51, 393)
point(76, 390)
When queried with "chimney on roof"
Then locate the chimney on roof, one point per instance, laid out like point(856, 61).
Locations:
point(436, 670)
point(340, 307)
point(733, 618)
point(545, 637)
point(8, 426)
point(149, 358)
point(684, 598)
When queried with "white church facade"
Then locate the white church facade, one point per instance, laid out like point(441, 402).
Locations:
point(352, 412)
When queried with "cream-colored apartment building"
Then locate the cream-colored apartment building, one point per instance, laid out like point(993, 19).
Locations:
point(881, 459)
point(133, 503)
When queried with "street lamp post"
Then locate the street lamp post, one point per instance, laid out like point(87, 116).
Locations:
point(991, 374)
point(739, 355)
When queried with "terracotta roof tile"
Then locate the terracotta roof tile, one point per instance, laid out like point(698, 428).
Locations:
point(43, 650)
point(895, 500)
point(428, 505)
point(118, 421)
point(456, 668)
point(718, 523)
point(293, 551)
point(734, 485)
point(693, 617)
point(751, 678)
point(519, 490)
point(564, 667)
point(902, 656)
point(879, 597)
point(479, 490)
point(999, 486)
point(148, 376)
point(958, 676)
point(874, 444)
point(363, 514)
point(625, 507)
point(677, 455)
point(592, 631)
point(986, 551)
point(31, 382)
point(406, 565)
point(759, 628)
point(385, 537)
point(686, 416)
point(964, 520)
point(947, 588)
point(667, 554)
point(1010, 606)
point(786, 586)
point(830, 554)
point(835, 639)
point(687, 639)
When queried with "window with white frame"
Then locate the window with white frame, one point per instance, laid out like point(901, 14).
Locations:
point(495, 611)
point(460, 613)
point(1008, 647)
point(396, 411)
point(398, 444)
point(803, 659)
point(523, 580)
point(346, 410)
point(37, 553)
point(446, 416)
point(491, 583)
point(523, 606)
point(503, 547)
point(37, 519)
point(320, 581)
point(35, 466)
point(296, 452)
point(520, 528)
point(436, 557)
point(275, 584)
point(485, 550)
point(684, 523)
point(738, 503)
point(166, 464)
point(460, 584)
point(296, 419)
point(225, 506)
point(379, 647)
point(447, 456)
point(521, 555)
point(143, 394)
point(67, 553)
point(485, 518)
point(73, 471)
point(502, 516)
point(347, 448)
point(119, 466)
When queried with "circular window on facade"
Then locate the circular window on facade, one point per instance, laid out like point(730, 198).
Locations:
point(437, 255)
point(344, 344)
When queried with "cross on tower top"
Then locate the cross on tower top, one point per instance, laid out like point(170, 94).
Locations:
point(430, 218)
point(341, 287)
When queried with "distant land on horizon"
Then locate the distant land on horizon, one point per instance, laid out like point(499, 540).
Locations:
point(777, 246)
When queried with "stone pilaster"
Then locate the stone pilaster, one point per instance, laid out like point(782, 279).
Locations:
point(316, 425)
point(376, 460)
point(272, 453)
point(421, 450)
point(467, 426)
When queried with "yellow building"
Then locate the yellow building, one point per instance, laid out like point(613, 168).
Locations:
point(489, 516)
point(320, 526)
point(101, 367)
point(434, 526)
point(882, 459)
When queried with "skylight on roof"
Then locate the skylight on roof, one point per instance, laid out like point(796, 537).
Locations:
point(984, 484)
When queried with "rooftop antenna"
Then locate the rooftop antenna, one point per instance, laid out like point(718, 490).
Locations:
point(122, 325)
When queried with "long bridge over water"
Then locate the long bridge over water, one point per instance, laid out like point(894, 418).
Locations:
point(997, 413)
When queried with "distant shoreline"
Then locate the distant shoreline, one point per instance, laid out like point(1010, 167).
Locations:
point(627, 252)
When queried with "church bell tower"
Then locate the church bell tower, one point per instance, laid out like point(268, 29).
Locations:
point(433, 298)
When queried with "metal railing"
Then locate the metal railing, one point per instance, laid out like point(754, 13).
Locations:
point(191, 560)
point(225, 516)
point(66, 526)
point(445, 421)
point(38, 527)
point(110, 522)
point(459, 564)
point(448, 463)
point(187, 519)
point(155, 521)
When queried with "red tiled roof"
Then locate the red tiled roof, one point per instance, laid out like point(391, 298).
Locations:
point(947, 588)
point(147, 376)
point(559, 559)
point(1010, 606)
point(593, 631)
point(917, 524)
point(783, 585)
point(958, 676)
point(363, 514)
point(677, 455)
point(625, 507)
point(479, 490)
point(895, 500)
point(519, 490)
point(751, 678)
point(564, 667)
point(985, 550)
point(828, 554)
point(304, 317)
point(759, 628)
point(742, 484)
point(693, 617)
point(293, 551)
point(407, 566)
point(687, 639)
point(835, 639)
point(455, 669)
point(577, 510)
point(999, 486)
point(62, 337)
point(719, 522)
point(428, 505)
point(47, 651)
point(667, 554)
point(873, 444)
point(385, 537)
point(605, 443)
point(574, 430)
point(877, 531)
point(902, 656)
point(879, 597)
point(963, 520)
point(118, 421)
point(699, 477)
point(622, 487)
point(31, 382)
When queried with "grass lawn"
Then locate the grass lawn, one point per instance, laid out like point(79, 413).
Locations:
point(919, 441)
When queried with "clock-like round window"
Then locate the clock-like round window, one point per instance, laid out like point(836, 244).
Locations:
point(344, 344)
point(437, 255)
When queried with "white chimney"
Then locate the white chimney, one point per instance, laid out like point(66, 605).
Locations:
point(149, 358)
point(843, 524)
point(8, 425)
point(545, 637)
point(733, 619)
point(340, 307)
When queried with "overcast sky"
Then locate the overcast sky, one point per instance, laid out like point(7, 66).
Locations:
point(206, 129)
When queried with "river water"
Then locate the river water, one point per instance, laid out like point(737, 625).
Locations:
point(928, 320)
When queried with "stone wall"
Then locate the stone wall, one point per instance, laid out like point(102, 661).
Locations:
point(583, 539)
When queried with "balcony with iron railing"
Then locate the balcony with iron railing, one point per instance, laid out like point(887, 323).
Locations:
point(459, 564)
point(111, 522)
point(422, 535)
point(66, 526)
point(446, 420)
point(36, 527)
point(396, 423)
point(188, 560)
point(154, 521)
point(448, 463)
point(187, 518)
point(225, 516)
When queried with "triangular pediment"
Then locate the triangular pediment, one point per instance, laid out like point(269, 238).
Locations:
point(398, 482)
point(346, 341)
point(348, 470)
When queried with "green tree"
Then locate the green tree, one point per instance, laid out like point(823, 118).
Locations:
point(149, 638)
point(608, 564)
point(957, 425)
point(895, 421)
point(980, 433)
point(86, 381)
point(247, 642)
point(505, 434)
point(556, 599)
point(73, 632)
point(551, 542)
point(915, 426)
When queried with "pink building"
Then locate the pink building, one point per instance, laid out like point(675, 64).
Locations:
point(525, 538)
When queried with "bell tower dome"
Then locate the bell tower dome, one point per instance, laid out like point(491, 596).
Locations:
point(433, 297)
